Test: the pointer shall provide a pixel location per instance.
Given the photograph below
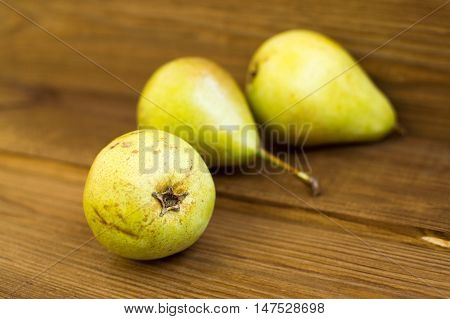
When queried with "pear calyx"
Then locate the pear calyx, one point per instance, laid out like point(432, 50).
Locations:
point(169, 200)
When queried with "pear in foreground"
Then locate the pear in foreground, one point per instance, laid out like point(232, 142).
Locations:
point(148, 195)
point(301, 78)
point(199, 101)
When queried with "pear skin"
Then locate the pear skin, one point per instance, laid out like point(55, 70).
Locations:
point(204, 105)
point(148, 195)
point(302, 78)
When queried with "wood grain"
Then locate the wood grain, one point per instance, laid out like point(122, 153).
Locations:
point(132, 40)
point(381, 228)
point(249, 250)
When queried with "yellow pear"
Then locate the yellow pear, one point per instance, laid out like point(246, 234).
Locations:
point(301, 78)
point(196, 99)
point(148, 195)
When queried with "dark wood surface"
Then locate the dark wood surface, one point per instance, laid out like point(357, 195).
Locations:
point(380, 229)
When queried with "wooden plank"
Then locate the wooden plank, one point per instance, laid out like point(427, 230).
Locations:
point(132, 40)
point(400, 181)
point(249, 249)
point(69, 127)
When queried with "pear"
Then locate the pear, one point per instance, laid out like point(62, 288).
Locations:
point(197, 100)
point(301, 78)
point(148, 195)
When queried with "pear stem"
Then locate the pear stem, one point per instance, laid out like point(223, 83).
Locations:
point(309, 180)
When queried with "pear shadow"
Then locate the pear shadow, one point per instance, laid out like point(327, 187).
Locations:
point(171, 259)
point(285, 147)
point(175, 258)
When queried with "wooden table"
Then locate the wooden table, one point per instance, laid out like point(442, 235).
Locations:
point(380, 229)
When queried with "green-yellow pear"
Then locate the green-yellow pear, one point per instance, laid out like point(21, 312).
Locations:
point(197, 100)
point(148, 195)
point(191, 97)
point(302, 78)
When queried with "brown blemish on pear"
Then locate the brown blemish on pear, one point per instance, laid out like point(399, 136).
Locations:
point(253, 72)
point(119, 229)
point(114, 145)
